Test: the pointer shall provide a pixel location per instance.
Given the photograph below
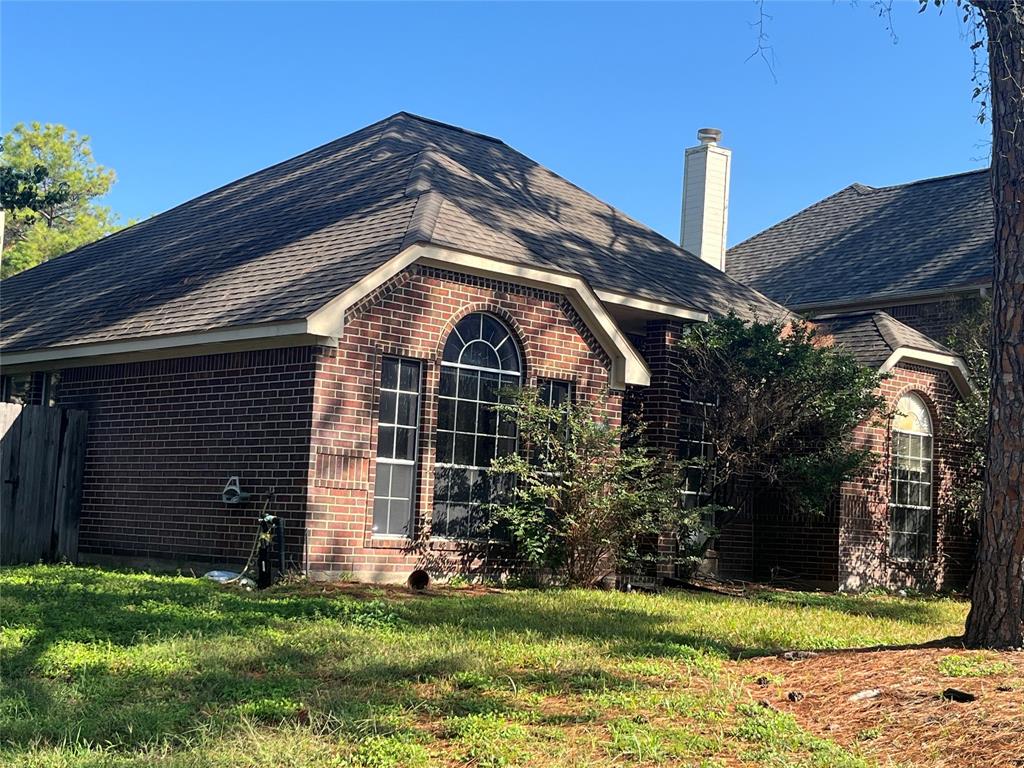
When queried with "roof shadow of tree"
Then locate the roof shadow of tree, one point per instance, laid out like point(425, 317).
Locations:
point(905, 242)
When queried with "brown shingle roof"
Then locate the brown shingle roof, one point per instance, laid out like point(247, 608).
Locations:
point(862, 243)
point(871, 337)
point(279, 244)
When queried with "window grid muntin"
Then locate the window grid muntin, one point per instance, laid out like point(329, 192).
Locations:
point(911, 491)
point(461, 484)
point(387, 503)
point(693, 443)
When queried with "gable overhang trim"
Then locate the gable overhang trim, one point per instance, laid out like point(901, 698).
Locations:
point(952, 364)
point(627, 365)
point(654, 307)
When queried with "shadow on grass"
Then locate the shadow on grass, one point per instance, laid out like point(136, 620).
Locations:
point(917, 611)
point(69, 678)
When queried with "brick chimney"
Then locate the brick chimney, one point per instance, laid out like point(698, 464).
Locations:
point(705, 215)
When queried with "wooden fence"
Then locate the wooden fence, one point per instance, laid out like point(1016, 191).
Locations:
point(42, 456)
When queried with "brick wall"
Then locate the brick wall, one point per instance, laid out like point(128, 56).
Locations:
point(937, 318)
point(164, 436)
point(411, 316)
point(864, 513)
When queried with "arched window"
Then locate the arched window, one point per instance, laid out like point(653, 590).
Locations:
point(480, 358)
point(910, 502)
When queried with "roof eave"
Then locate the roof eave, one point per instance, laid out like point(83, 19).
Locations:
point(952, 364)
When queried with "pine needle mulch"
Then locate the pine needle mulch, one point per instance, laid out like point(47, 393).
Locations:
point(890, 703)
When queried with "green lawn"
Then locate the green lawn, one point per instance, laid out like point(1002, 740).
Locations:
point(110, 668)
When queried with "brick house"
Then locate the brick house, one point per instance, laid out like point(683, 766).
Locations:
point(866, 261)
point(334, 328)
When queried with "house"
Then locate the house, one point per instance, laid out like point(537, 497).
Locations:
point(333, 329)
point(888, 272)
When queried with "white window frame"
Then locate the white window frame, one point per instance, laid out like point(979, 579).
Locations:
point(390, 460)
point(929, 483)
point(456, 400)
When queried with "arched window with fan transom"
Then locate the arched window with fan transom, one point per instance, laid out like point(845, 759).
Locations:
point(481, 358)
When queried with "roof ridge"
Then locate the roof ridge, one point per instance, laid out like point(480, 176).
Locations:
point(449, 126)
point(881, 319)
point(929, 180)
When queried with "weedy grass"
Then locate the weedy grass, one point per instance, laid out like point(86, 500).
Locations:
point(979, 665)
point(106, 668)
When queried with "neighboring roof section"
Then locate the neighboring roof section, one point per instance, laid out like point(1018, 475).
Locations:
point(879, 341)
point(275, 246)
point(865, 243)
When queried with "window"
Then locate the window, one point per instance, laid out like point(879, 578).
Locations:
point(695, 445)
point(51, 387)
point(397, 438)
point(16, 388)
point(480, 359)
point(554, 393)
point(910, 502)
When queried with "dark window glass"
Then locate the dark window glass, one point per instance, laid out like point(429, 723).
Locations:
point(17, 387)
point(480, 358)
point(554, 393)
point(397, 438)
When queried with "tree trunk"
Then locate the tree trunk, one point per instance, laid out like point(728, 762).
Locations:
point(997, 597)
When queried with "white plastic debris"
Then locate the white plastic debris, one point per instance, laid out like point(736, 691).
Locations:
point(221, 576)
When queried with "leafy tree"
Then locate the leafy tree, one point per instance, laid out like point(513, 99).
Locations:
point(50, 184)
point(585, 496)
point(784, 405)
point(22, 189)
point(970, 338)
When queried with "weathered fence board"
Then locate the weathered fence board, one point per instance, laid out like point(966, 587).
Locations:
point(42, 457)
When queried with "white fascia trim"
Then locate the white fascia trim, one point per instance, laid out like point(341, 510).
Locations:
point(328, 322)
point(669, 310)
point(154, 343)
point(628, 366)
point(952, 364)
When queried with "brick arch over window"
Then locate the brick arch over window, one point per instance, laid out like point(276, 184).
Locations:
point(911, 483)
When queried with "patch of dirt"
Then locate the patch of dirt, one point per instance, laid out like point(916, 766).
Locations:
point(363, 591)
point(890, 704)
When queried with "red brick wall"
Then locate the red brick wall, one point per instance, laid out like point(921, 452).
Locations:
point(164, 436)
point(411, 316)
point(847, 546)
point(864, 514)
point(936, 318)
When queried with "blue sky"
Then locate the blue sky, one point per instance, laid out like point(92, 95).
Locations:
point(180, 98)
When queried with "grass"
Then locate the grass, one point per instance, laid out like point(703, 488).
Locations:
point(107, 668)
point(956, 665)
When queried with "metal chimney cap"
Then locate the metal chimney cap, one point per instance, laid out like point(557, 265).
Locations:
point(709, 135)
